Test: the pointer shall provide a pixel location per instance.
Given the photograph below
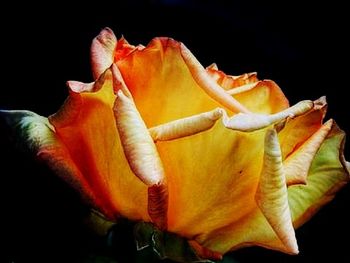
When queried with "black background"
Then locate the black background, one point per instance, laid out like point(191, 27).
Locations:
point(302, 47)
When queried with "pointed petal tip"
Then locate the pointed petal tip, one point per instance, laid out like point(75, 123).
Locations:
point(79, 87)
point(212, 66)
point(272, 196)
point(107, 30)
point(102, 51)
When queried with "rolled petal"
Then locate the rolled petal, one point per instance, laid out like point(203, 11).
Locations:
point(102, 51)
point(185, 127)
point(142, 156)
point(252, 122)
point(327, 174)
point(272, 196)
point(208, 84)
point(204, 121)
point(137, 143)
point(297, 165)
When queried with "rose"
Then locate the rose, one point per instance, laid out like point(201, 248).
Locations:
point(220, 160)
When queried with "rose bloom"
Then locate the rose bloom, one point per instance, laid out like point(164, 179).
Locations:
point(220, 160)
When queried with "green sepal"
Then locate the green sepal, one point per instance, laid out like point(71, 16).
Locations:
point(164, 244)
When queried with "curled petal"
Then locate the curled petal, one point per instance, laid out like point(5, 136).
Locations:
point(208, 84)
point(186, 126)
point(272, 196)
point(252, 122)
point(230, 82)
point(138, 145)
point(297, 130)
point(297, 164)
point(142, 156)
point(102, 51)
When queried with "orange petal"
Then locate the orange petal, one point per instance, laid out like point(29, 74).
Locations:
point(102, 51)
point(86, 126)
point(123, 49)
point(164, 90)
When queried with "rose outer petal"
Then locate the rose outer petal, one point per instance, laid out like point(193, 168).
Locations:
point(92, 139)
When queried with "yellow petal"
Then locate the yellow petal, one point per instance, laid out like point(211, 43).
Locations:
point(254, 97)
point(214, 172)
